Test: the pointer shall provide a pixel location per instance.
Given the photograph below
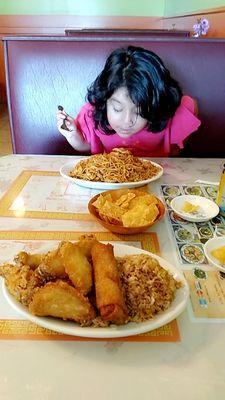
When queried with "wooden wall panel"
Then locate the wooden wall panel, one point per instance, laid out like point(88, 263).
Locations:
point(56, 25)
point(216, 19)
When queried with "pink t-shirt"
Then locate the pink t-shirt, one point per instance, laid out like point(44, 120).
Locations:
point(142, 143)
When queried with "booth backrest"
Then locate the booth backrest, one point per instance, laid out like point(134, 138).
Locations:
point(44, 72)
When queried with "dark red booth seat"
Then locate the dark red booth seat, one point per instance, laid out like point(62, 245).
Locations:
point(43, 72)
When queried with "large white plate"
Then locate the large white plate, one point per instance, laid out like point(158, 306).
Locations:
point(66, 168)
point(72, 328)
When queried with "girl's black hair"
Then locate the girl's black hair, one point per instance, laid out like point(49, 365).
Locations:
point(149, 83)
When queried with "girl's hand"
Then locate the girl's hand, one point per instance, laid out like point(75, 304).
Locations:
point(68, 129)
point(65, 123)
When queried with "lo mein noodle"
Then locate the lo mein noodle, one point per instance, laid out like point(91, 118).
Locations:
point(118, 166)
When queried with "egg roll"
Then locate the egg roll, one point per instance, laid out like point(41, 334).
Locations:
point(109, 296)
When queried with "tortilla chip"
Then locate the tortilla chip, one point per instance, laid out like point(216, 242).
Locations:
point(140, 215)
point(111, 210)
point(130, 209)
point(101, 200)
point(145, 199)
point(124, 200)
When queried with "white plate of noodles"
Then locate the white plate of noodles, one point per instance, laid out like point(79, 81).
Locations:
point(175, 308)
point(116, 170)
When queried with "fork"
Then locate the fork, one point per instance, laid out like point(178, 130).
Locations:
point(63, 126)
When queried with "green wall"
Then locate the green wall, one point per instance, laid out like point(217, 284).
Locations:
point(147, 8)
point(179, 7)
point(137, 8)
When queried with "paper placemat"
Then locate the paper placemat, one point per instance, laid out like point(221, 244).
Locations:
point(15, 329)
point(207, 294)
point(57, 199)
point(25, 330)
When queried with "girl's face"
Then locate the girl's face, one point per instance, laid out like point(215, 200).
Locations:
point(123, 115)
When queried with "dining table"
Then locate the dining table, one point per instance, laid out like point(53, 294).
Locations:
point(182, 360)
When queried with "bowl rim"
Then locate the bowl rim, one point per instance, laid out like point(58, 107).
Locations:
point(207, 253)
point(93, 211)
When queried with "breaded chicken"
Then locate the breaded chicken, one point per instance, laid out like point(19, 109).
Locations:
point(21, 281)
point(85, 243)
point(59, 299)
point(52, 264)
point(33, 260)
point(77, 266)
point(49, 264)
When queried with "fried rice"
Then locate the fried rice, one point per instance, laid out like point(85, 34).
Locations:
point(148, 288)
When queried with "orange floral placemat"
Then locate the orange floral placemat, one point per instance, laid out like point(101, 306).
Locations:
point(25, 330)
point(17, 329)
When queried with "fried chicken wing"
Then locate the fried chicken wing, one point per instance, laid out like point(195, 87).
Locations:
point(21, 281)
point(52, 264)
point(33, 260)
point(59, 299)
point(77, 267)
point(49, 264)
point(85, 243)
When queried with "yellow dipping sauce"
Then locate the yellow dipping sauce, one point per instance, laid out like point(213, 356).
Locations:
point(219, 254)
point(189, 207)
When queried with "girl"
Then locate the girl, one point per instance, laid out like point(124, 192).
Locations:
point(134, 103)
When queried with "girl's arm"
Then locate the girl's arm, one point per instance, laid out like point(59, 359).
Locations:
point(174, 148)
point(68, 129)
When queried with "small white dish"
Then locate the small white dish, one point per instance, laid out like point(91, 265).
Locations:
point(213, 244)
point(184, 235)
point(207, 210)
point(192, 253)
point(66, 168)
point(72, 328)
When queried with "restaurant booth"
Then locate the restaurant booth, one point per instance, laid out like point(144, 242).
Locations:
point(44, 72)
